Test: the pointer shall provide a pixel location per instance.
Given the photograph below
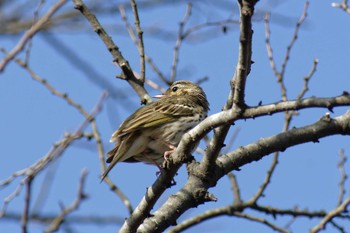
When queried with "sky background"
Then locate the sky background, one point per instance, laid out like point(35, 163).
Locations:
point(32, 119)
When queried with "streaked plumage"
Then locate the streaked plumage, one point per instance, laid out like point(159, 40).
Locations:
point(155, 129)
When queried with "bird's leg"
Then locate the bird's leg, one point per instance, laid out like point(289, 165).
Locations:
point(169, 152)
point(160, 169)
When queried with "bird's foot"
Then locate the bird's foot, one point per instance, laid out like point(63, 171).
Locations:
point(169, 152)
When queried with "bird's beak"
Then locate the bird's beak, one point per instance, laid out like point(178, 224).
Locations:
point(159, 96)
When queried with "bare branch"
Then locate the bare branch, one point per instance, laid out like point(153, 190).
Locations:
point(56, 223)
point(27, 205)
point(220, 23)
point(280, 74)
point(260, 220)
point(262, 188)
point(330, 215)
point(51, 88)
point(30, 33)
point(326, 126)
point(47, 218)
point(245, 51)
point(30, 41)
point(135, 83)
point(140, 40)
point(343, 177)
point(235, 188)
point(294, 38)
point(135, 40)
point(179, 41)
point(209, 214)
point(194, 192)
point(307, 79)
point(268, 45)
point(236, 97)
point(55, 152)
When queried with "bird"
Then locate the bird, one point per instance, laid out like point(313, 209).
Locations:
point(153, 131)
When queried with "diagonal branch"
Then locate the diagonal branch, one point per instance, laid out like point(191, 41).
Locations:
point(30, 33)
point(326, 126)
point(340, 209)
point(195, 191)
point(118, 57)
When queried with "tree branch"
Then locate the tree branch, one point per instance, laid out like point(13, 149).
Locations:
point(129, 76)
point(56, 223)
point(194, 192)
point(340, 209)
point(30, 33)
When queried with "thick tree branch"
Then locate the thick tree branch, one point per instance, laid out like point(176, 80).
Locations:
point(183, 151)
point(235, 99)
point(326, 126)
point(194, 192)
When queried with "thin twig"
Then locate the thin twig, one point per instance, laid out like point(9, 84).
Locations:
point(338, 227)
point(343, 177)
point(269, 173)
point(220, 23)
point(179, 41)
point(307, 79)
point(27, 205)
point(209, 214)
point(268, 44)
point(47, 218)
point(38, 166)
point(118, 57)
point(134, 39)
point(330, 215)
point(84, 65)
point(280, 74)
point(30, 33)
point(54, 91)
point(55, 152)
point(56, 223)
point(260, 220)
point(294, 37)
point(94, 127)
point(229, 145)
point(30, 41)
point(231, 210)
point(235, 188)
point(140, 46)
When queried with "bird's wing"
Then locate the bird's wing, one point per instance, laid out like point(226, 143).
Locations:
point(154, 114)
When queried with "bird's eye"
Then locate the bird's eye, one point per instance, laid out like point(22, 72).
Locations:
point(174, 89)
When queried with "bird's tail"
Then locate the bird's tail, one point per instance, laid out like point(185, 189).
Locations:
point(111, 155)
point(109, 168)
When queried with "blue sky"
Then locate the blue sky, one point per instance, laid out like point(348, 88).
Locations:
point(33, 119)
